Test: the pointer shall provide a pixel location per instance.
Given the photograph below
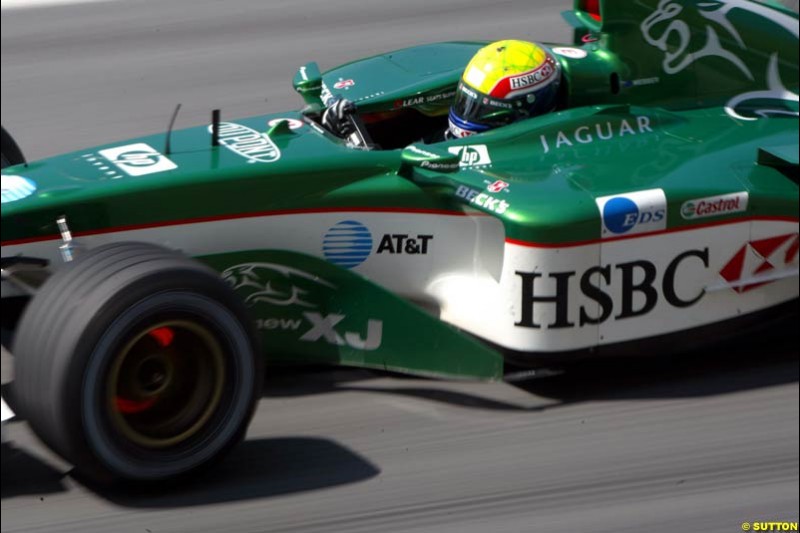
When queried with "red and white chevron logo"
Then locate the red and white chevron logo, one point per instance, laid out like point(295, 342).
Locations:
point(758, 258)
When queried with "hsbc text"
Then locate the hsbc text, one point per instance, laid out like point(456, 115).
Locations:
point(596, 285)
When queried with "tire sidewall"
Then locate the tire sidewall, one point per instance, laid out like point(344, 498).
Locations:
point(104, 319)
point(10, 151)
point(224, 426)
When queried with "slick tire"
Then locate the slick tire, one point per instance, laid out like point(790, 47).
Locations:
point(136, 363)
point(10, 154)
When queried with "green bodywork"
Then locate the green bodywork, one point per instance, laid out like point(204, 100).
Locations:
point(349, 304)
point(633, 116)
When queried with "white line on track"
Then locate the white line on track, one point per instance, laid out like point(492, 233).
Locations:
point(25, 4)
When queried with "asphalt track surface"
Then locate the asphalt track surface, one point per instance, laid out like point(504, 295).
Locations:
point(701, 442)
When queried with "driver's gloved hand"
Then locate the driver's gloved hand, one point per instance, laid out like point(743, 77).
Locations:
point(336, 117)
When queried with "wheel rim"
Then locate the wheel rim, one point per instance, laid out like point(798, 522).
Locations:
point(166, 383)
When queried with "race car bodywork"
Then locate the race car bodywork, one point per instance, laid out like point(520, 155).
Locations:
point(659, 203)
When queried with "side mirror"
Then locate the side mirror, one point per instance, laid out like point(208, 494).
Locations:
point(428, 158)
point(308, 83)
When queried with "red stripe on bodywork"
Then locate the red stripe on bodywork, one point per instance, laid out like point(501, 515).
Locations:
point(219, 218)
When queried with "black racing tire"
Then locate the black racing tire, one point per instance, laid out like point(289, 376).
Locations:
point(134, 362)
point(10, 154)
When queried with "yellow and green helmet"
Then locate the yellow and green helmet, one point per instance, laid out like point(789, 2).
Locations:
point(504, 82)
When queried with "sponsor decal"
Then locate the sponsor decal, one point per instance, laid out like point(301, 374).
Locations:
point(617, 291)
point(409, 102)
point(293, 123)
point(435, 162)
point(497, 186)
point(466, 90)
point(432, 98)
point(288, 288)
point(343, 84)
point(254, 146)
point(347, 244)
point(403, 243)
point(496, 103)
point(534, 77)
point(424, 99)
point(631, 213)
point(754, 264)
point(715, 205)
point(439, 165)
point(472, 155)
point(138, 159)
point(600, 131)
point(572, 53)
point(589, 38)
point(482, 199)
point(16, 188)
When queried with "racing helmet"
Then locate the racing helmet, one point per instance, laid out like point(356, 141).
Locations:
point(504, 82)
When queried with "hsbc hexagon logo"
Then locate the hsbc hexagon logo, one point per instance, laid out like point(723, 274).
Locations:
point(751, 266)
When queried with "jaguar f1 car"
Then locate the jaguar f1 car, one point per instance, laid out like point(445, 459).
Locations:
point(656, 208)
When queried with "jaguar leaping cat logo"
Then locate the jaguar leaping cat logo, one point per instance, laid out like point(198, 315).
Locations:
point(679, 31)
point(665, 30)
point(276, 290)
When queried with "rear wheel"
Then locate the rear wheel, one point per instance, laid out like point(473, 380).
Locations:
point(135, 362)
point(10, 154)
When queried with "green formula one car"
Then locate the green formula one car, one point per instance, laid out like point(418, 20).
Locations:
point(656, 208)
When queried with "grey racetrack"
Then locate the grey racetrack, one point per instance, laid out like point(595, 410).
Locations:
point(702, 442)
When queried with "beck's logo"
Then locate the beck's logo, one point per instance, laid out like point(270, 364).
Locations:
point(637, 293)
point(754, 263)
point(482, 199)
point(636, 212)
point(138, 159)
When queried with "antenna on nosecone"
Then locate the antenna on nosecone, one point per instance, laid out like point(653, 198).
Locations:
point(167, 148)
point(215, 127)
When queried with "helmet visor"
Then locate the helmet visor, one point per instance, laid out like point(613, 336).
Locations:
point(477, 108)
point(484, 111)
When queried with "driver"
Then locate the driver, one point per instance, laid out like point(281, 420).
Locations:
point(504, 82)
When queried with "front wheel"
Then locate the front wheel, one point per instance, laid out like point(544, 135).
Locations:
point(138, 363)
